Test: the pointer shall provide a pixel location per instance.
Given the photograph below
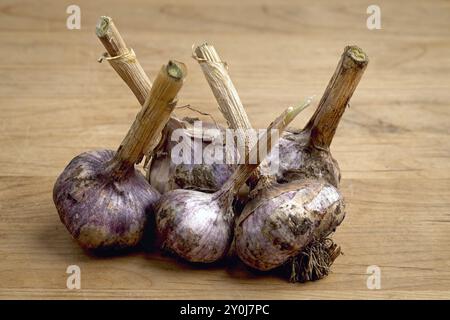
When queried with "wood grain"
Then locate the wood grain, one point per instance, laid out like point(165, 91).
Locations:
point(392, 144)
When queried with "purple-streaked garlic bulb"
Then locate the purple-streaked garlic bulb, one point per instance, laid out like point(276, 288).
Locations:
point(101, 198)
point(103, 206)
point(306, 153)
point(198, 226)
point(166, 174)
point(282, 219)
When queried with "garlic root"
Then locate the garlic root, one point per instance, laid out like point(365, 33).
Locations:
point(314, 262)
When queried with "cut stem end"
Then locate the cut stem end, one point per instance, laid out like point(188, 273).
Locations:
point(357, 54)
point(176, 70)
point(101, 29)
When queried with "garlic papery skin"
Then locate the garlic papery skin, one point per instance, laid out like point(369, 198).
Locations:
point(281, 220)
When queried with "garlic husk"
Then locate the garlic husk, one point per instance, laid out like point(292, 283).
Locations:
point(99, 212)
point(283, 219)
point(165, 175)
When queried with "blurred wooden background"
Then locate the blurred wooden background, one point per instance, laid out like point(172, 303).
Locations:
point(393, 143)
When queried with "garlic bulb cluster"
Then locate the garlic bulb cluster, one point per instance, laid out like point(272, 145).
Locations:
point(287, 217)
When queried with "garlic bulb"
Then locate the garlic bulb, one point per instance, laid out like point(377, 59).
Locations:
point(282, 219)
point(195, 225)
point(101, 206)
point(101, 198)
point(166, 175)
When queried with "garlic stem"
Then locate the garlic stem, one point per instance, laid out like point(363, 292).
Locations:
point(230, 105)
point(324, 122)
point(123, 59)
point(244, 171)
point(146, 130)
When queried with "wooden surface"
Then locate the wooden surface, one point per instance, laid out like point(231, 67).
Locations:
point(393, 144)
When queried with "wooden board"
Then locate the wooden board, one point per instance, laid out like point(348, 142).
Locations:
point(393, 144)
